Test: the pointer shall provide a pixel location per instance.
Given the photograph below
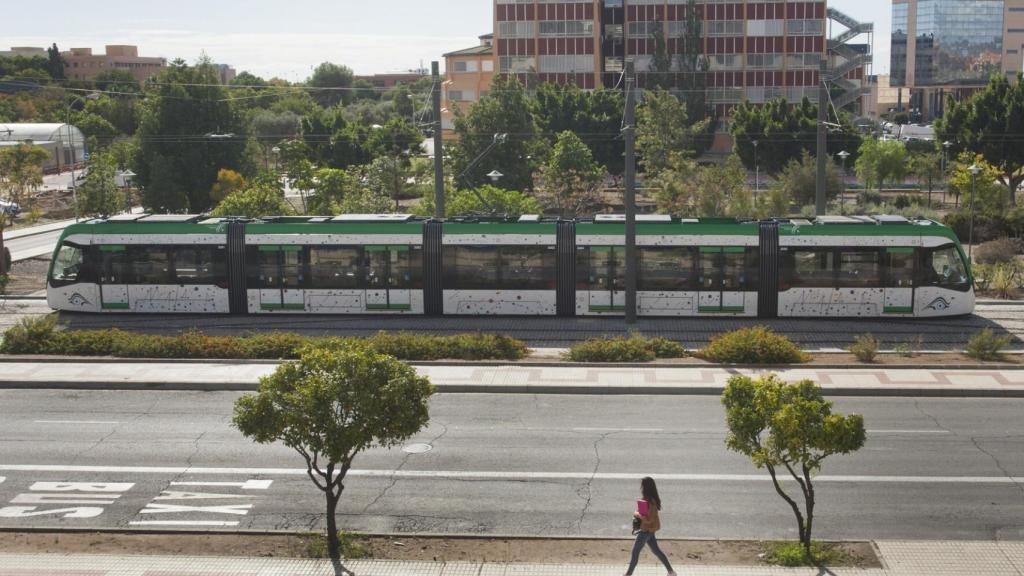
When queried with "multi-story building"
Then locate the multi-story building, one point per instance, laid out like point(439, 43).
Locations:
point(82, 64)
point(390, 80)
point(27, 51)
point(225, 73)
point(468, 74)
point(952, 47)
point(756, 49)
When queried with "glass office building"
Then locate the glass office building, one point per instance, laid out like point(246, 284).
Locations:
point(946, 42)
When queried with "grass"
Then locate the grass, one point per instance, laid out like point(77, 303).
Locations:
point(791, 554)
point(351, 546)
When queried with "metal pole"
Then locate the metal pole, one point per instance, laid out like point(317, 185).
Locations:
point(438, 143)
point(74, 185)
point(970, 228)
point(629, 134)
point(820, 206)
point(757, 172)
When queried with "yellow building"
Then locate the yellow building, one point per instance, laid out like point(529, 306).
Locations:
point(82, 64)
point(468, 75)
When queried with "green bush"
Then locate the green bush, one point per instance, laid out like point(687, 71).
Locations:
point(985, 345)
point(864, 347)
point(634, 348)
point(792, 555)
point(909, 348)
point(757, 345)
point(351, 546)
point(39, 336)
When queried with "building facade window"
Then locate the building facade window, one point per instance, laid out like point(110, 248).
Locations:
point(567, 64)
point(567, 28)
point(517, 29)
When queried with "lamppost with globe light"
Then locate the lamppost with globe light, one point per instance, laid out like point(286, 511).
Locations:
point(127, 177)
point(843, 155)
point(757, 171)
point(945, 150)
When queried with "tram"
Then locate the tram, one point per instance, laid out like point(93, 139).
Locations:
point(830, 266)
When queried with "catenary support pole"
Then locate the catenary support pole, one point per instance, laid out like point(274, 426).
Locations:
point(820, 205)
point(438, 142)
point(629, 134)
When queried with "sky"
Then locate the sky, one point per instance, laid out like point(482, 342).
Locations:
point(288, 38)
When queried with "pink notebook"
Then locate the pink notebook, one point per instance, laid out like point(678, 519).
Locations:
point(642, 507)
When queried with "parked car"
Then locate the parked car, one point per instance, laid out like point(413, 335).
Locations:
point(9, 208)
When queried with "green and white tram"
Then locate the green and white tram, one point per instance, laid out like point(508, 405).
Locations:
point(834, 266)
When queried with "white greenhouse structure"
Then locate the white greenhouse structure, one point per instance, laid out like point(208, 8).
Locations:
point(64, 142)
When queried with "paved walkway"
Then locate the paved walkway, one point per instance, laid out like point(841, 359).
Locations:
point(523, 378)
point(900, 558)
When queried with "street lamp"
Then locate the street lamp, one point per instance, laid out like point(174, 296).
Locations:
point(71, 141)
point(974, 170)
point(945, 150)
point(843, 154)
point(494, 175)
point(757, 171)
point(127, 176)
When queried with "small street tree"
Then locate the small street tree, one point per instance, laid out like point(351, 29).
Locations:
point(99, 195)
point(571, 178)
point(483, 200)
point(928, 169)
point(331, 405)
point(881, 161)
point(260, 199)
point(21, 169)
point(664, 128)
point(789, 426)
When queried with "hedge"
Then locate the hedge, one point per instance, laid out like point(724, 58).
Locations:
point(634, 348)
point(40, 336)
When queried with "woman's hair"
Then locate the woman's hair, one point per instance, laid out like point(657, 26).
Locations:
point(650, 491)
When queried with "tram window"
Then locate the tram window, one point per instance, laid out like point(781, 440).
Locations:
point(291, 270)
point(899, 266)
point(808, 268)
point(734, 268)
point(268, 265)
point(944, 267)
point(199, 265)
point(859, 268)
point(69, 264)
point(149, 265)
point(407, 268)
point(335, 267)
point(666, 268)
point(471, 267)
point(527, 268)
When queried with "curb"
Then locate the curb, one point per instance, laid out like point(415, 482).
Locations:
point(518, 363)
point(909, 392)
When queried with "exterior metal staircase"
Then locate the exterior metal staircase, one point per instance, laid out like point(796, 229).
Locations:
point(846, 59)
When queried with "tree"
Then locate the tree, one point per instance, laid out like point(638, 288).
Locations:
point(664, 128)
point(390, 177)
point(260, 199)
point(99, 195)
point(505, 110)
point(595, 116)
point(330, 187)
point(927, 166)
point(397, 138)
point(119, 81)
point(21, 169)
point(791, 426)
point(881, 161)
point(693, 68)
point(271, 128)
point(661, 60)
point(332, 82)
point(55, 62)
point(402, 102)
point(992, 197)
point(686, 189)
point(800, 177)
point(228, 182)
point(570, 179)
point(487, 199)
point(188, 132)
point(331, 405)
point(990, 123)
point(99, 132)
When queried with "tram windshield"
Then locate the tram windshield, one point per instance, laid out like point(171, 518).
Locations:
point(68, 264)
point(943, 266)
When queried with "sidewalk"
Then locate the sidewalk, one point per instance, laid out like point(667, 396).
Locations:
point(900, 558)
point(525, 379)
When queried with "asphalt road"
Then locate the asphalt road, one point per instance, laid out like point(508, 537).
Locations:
point(936, 334)
point(32, 246)
point(496, 464)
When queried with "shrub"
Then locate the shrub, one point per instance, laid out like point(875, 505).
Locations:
point(634, 348)
point(792, 555)
point(866, 197)
point(909, 348)
point(4, 280)
point(985, 345)
point(351, 546)
point(864, 347)
point(996, 251)
point(757, 345)
point(30, 336)
point(982, 276)
point(1004, 281)
point(901, 202)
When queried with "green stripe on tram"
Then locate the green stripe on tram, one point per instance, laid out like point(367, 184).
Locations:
point(116, 306)
point(898, 310)
point(273, 306)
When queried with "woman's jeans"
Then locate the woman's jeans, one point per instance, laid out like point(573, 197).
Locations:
point(642, 539)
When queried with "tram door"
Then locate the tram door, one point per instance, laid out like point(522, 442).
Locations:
point(281, 278)
point(721, 279)
point(607, 278)
point(899, 280)
point(114, 278)
point(387, 281)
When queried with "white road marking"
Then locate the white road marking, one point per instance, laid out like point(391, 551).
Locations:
point(618, 429)
point(182, 523)
point(908, 432)
point(75, 422)
point(247, 485)
point(503, 475)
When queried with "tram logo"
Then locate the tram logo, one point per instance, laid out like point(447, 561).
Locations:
point(78, 300)
point(939, 304)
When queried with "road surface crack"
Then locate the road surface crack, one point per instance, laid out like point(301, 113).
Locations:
point(998, 464)
point(585, 491)
point(932, 417)
point(405, 460)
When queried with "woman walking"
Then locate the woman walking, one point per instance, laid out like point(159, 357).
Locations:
point(649, 524)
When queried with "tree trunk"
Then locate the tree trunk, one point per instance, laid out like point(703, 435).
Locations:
point(333, 545)
point(3, 254)
point(809, 508)
point(796, 509)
